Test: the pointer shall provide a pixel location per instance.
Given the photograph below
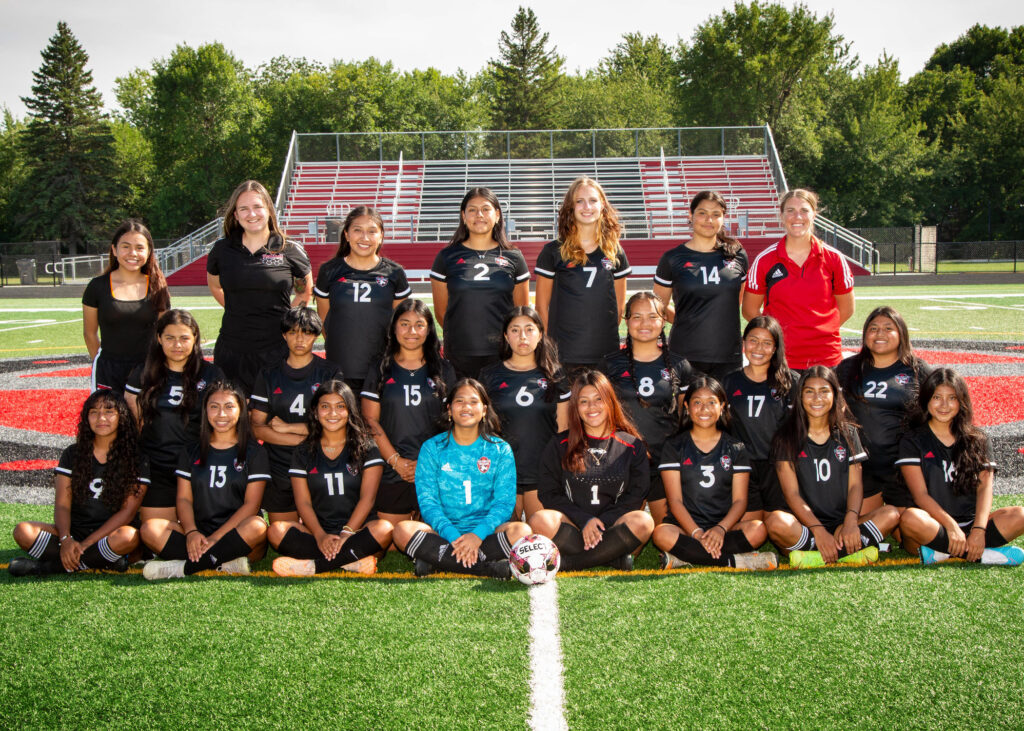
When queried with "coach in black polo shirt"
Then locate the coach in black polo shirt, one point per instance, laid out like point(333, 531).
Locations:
point(252, 272)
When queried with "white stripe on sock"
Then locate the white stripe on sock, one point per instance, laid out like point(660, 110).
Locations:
point(39, 545)
point(547, 697)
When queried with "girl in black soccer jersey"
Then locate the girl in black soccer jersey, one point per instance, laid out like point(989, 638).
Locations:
point(817, 455)
point(760, 396)
point(100, 480)
point(649, 381)
point(220, 486)
point(166, 397)
point(252, 272)
point(335, 473)
point(581, 278)
point(880, 384)
point(593, 482)
point(356, 292)
point(402, 403)
point(279, 400)
point(475, 281)
point(123, 304)
point(530, 396)
point(704, 277)
point(465, 484)
point(947, 464)
point(706, 474)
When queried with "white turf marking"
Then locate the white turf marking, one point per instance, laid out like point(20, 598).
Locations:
point(40, 324)
point(968, 306)
point(79, 309)
point(972, 296)
point(547, 697)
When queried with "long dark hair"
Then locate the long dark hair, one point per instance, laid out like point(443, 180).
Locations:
point(344, 247)
point(779, 374)
point(608, 230)
point(154, 372)
point(233, 229)
point(497, 233)
point(431, 346)
point(357, 433)
point(157, 295)
point(666, 361)
point(490, 425)
point(121, 476)
point(241, 428)
point(577, 448)
point(864, 358)
point(729, 246)
point(717, 390)
point(792, 433)
point(970, 450)
point(546, 353)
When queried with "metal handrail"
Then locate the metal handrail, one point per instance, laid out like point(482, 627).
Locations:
point(832, 233)
point(286, 174)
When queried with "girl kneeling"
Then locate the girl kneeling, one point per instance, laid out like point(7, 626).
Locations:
point(947, 464)
point(818, 456)
point(99, 487)
point(466, 488)
point(335, 474)
point(220, 486)
point(706, 473)
point(593, 482)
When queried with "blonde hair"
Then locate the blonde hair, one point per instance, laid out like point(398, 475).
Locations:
point(231, 224)
point(803, 194)
point(608, 228)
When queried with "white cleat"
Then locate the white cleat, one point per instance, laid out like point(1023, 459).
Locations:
point(239, 566)
point(164, 569)
point(757, 560)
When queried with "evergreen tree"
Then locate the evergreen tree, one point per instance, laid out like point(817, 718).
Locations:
point(68, 192)
point(524, 80)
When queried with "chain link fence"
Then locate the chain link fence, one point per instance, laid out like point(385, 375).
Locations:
point(949, 257)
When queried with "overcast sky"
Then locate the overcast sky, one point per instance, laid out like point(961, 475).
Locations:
point(120, 35)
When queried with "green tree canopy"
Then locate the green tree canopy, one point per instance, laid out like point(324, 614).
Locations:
point(68, 192)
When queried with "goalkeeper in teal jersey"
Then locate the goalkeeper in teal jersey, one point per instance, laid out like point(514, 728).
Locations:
point(466, 488)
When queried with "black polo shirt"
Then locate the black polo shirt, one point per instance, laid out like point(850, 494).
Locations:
point(257, 290)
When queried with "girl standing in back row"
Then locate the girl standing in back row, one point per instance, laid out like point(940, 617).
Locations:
point(581, 277)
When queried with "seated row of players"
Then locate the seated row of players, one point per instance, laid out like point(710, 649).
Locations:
point(703, 509)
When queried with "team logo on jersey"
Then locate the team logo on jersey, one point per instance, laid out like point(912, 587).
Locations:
point(239, 466)
point(903, 378)
point(774, 393)
point(430, 383)
point(200, 384)
point(607, 264)
point(840, 452)
point(352, 469)
point(382, 281)
point(542, 383)
point(483, 464)
point(726, 461)
point(666, 374)
point(502, 261)
point(273, 259)
point(314, 387)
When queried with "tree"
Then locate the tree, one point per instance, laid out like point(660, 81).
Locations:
point(12, 171)
point(523, 81)
point(746, 66)
point(641, 58)
point(985, 51)
point(199, 113)
point(67, 193)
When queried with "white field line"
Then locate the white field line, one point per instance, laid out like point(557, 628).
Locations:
point(936, 296)
point(79, 309)
point(949, 301)
point(44, 324)
point(547, 697)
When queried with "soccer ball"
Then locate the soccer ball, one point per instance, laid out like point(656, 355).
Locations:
point(534, 559)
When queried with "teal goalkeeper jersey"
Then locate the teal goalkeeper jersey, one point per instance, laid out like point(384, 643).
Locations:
point(465, 489)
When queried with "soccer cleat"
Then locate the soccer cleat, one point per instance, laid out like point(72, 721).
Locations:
point(288, 566)
point(668, 561)
point(805, 559)
point(499, 570)
point(622, 563)
point(1003, 556)
point(120, 565)
point(755, 560)
point(422, 568)
point(366, 566)
point(863, 557)
point(25, 566)
point(237, 566)
point(164, 569)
